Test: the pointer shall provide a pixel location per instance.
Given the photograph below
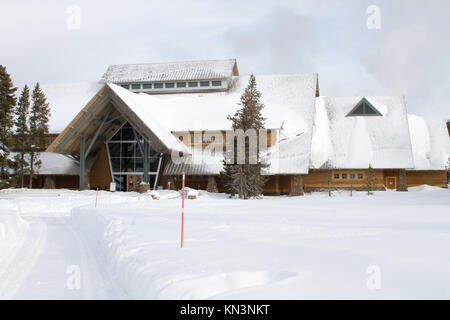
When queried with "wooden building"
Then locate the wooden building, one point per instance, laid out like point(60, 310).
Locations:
point(134, 129)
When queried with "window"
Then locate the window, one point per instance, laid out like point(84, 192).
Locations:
point(336, 175)
point(344, 176)
point(220, 138)
point(364, 108)
point(125, 156)
point(181, 84)
point(216, 83)
point(170, 85)
point(193, 84)
point(135, 86)
point(147, 86)
point(126, 86)
point(360, 176)
point(158, 85)
point(352, 176)
point(192, 139)
point(204, 83)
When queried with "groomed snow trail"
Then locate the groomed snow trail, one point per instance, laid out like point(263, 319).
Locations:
point(46, 265)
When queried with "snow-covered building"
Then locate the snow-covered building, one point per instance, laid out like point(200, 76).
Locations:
point(141, 117)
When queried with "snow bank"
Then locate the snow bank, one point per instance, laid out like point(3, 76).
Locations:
point(12, 234)
point(275, 248)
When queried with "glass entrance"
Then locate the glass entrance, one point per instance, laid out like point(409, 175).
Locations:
point(134, 182)
point(126, 149)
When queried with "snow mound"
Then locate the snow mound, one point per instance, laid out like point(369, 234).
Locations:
point(424, 187)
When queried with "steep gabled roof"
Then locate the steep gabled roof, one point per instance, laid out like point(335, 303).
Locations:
point(104, 114)
point(170, 71)
point(355, 142)
point(430, 142)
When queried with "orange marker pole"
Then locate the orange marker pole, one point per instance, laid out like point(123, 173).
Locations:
point(96, 198)
point(182, 210)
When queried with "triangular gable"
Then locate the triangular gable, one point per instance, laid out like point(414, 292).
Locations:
point(363, 108)
point(103, 114)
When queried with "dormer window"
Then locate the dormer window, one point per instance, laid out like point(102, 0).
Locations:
point(364, 108)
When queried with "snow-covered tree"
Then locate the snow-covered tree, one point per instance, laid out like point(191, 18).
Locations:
point(7, 103)
point(245, 179)
point(22, 137)
point(38, 126)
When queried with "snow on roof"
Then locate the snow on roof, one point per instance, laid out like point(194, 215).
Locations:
point(355, 142)
point(140, 106)
point(66, 100)
point(289, 156)
point(188, 70)
point(199, 162)
point(430, 142)
point(289, 104)
point(57, 164)
point(288, 99)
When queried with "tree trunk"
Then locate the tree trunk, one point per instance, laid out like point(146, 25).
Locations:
point(31, 171)
point(212, 185)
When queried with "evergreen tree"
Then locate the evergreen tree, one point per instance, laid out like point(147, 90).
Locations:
point(38, 128)
point(245, 179)
point(7, 103)
point(370, 179)
point(22, 137)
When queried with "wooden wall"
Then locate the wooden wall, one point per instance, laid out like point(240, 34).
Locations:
point(100, 172)
point(433, 178)
point(318, 179)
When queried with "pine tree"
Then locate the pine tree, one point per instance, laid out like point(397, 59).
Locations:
point(7, 102)
point(38, 126)
point(245, 179)
point(370, 179)
point(22, 137)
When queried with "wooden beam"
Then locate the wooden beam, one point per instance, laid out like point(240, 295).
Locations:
point(82, 161)
point(94, 139)
point(75, 130)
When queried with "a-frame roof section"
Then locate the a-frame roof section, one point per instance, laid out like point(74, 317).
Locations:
point(364, 108)
point(104, 114)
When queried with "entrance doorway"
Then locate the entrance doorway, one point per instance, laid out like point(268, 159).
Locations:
point(134, 182)
point(391, 183)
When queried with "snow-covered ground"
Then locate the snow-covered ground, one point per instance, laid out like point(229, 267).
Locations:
point(390, 245)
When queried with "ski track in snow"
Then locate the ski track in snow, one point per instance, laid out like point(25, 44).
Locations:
point(277, 247)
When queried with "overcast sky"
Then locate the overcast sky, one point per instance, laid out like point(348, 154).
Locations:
point(409, 55)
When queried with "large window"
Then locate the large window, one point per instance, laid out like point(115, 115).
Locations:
point(126, 155)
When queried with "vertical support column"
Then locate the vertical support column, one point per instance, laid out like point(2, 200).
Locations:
point(402, 184)
point(297, 186)
point(82, 161)
point(146, 162)
point(277, 185)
